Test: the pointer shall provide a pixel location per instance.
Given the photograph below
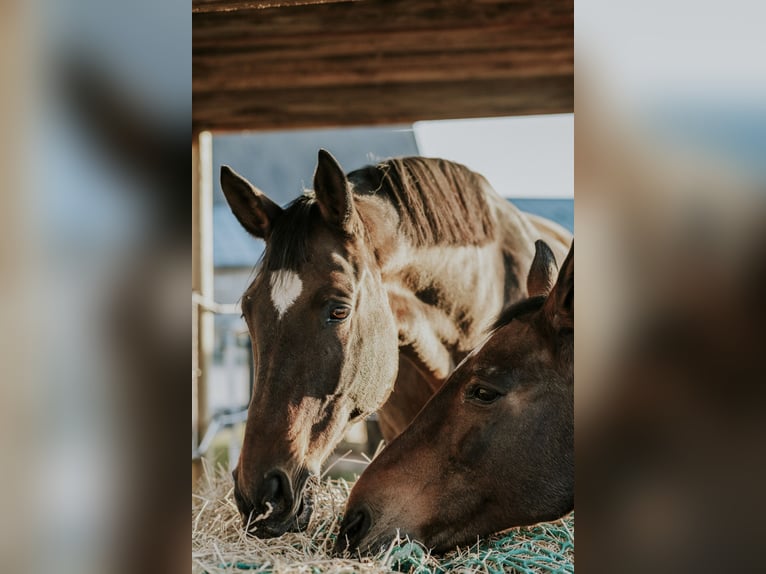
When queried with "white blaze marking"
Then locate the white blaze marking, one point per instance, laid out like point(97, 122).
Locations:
point(285, 288)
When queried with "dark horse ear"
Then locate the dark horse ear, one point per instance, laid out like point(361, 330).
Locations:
point(333, 191)
point(542, 273)
point(256, 212)
point(560, 303)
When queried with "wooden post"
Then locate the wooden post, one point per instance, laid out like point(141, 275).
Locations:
point(202, 283)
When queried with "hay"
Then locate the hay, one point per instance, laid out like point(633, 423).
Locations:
point(220, 545)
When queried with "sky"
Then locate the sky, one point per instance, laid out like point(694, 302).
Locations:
point(527, 156)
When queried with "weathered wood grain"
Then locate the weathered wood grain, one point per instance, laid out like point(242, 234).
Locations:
point(231, 5)
point(380, 61)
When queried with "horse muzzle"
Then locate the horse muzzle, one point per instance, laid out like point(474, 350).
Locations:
point(359, 533)
point(278, 506)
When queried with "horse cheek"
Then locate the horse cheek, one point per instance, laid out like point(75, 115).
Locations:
point(377, 354)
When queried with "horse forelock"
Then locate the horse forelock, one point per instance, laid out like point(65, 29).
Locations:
point(288, 245)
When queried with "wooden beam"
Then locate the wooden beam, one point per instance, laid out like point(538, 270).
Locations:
point(231, 5)
point(380, 61)
point(289, 109)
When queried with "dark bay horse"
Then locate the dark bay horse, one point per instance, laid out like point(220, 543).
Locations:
point(371, 288)
point(494, 447)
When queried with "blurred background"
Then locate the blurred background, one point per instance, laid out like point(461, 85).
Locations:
point(670, 141)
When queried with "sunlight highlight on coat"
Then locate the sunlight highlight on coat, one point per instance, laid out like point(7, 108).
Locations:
point(286, 286)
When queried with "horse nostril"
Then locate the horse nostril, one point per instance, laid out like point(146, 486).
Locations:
point(271, 489)
point(356, 525)
point(276, 491)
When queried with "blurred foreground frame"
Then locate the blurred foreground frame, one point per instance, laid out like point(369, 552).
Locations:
point(144, 326)
point(98, 328)
point(669, 351)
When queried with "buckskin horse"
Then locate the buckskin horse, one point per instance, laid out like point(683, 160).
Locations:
point(494, 447)
point(370, 289)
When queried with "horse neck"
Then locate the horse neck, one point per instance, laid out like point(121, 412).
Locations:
point(457, 290)
point(474, 282)
point(444, 297)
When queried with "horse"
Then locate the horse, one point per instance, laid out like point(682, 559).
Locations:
point(494, 447)
point(370, 289)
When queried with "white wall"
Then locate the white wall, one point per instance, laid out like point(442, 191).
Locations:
point(527, 156)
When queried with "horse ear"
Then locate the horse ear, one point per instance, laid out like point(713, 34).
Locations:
point(333, 191)
point(560, 303)
point(543, 271)
point(256, 212)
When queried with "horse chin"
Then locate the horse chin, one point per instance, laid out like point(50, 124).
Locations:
point(303, 517)
point(295, 523)
point(264, 530)
point(370, 545)
point(445, 541)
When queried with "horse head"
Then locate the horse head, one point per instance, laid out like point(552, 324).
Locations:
point(494, 447)
point(324, 340)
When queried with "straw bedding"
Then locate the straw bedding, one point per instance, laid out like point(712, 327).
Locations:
point(219, 543)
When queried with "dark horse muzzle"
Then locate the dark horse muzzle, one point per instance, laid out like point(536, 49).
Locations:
point(355, 526)
point(276, 505)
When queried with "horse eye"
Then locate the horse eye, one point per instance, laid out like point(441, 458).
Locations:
point(339, 313)
point(483, 394)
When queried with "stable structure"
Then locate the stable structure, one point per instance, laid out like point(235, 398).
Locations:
point(307, 63)
point(289, 64)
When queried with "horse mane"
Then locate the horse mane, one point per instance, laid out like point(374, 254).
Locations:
point(439, 202)
point(516, 310)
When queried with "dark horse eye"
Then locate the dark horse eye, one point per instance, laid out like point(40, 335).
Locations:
point(339, 313)
point(483, 394)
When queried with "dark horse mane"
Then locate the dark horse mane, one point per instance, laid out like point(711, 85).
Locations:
point(439, 202)
point(517, 310)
